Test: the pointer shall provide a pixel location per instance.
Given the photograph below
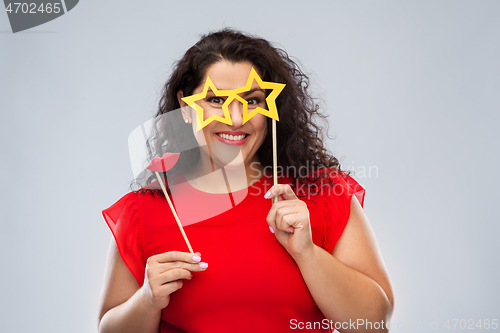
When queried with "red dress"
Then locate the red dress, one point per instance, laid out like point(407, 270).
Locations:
point(252, 284)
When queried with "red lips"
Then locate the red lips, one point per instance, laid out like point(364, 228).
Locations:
point(165, 163)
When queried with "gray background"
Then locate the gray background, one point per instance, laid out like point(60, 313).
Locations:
point(411, 87)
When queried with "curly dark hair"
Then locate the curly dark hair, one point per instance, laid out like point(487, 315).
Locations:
point(301, 146)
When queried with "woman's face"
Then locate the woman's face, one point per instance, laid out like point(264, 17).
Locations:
point(247, 137)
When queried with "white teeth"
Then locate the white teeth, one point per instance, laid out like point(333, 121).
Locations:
point(231, 137)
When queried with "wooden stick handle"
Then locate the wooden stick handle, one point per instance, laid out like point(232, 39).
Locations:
point(173, 212)
point(275, 158)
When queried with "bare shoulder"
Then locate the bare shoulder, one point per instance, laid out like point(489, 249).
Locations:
point(358, 248)
point(119, 284)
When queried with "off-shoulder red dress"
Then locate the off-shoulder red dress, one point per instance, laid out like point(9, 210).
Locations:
point(252, 284)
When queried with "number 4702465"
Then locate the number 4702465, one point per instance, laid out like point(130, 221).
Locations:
point(471, 324)
point(31, 8)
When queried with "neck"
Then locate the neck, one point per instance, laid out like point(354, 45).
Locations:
point(231, 177)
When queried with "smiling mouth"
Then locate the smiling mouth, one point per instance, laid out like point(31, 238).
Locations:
point(232, 137)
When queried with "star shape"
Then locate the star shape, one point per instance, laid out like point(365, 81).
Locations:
point(191, 101)
point(270, 100)
point(233, 94)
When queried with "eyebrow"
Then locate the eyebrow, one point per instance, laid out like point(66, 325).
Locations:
point(245, 93)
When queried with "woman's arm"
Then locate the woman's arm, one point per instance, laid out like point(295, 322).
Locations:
point(353, 284)
point(125, 306)
point(350, 285)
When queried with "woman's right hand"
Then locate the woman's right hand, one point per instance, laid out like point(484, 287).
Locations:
point(164, 274)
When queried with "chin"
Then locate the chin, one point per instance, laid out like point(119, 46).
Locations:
point(227, 156)
point(237, 163)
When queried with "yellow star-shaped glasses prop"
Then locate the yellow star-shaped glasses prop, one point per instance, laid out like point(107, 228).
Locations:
point(233, 94)
point(191, 101)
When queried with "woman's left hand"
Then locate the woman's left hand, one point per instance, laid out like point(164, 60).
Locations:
point(289, 220)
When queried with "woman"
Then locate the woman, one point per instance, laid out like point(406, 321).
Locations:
point(316, 265)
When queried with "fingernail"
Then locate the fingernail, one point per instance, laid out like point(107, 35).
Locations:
point(203, 265)
point(197, 258)
point(271, 228)
point(268, 194)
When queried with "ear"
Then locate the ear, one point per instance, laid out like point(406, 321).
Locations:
point(180, 95)
point(186, 112)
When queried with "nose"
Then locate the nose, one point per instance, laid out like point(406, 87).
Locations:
point(236, 113)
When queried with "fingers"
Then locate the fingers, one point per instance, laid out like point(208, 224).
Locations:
point(173, 260)
point(288, 214)
point(176, 259)
point(177, 256)
point(158, 287)
point(281, 189)
point(197, 267)
point(168, 288)
point(281, 216)
point(168, 276)
point(285, 219)
point(165, 273)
